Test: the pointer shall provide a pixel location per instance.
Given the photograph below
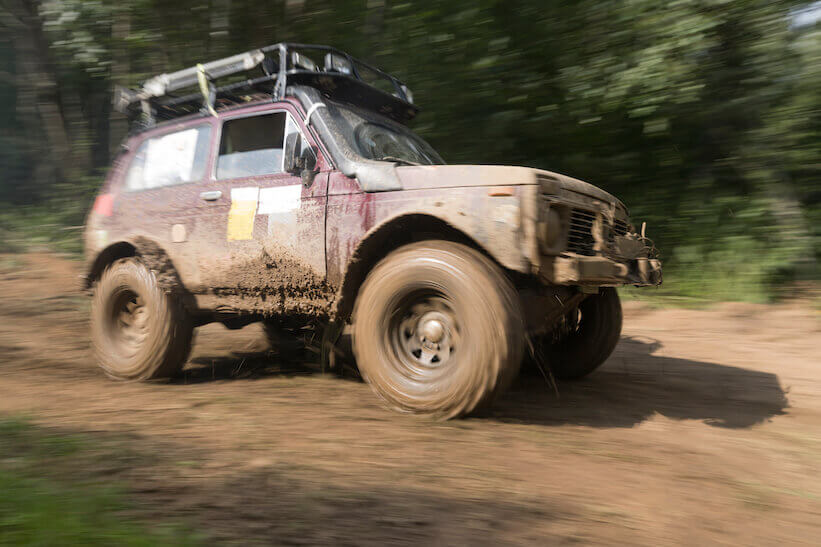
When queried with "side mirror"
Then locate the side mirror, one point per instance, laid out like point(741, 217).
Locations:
point(308, 162)
point(308, 158)
point(291, 161)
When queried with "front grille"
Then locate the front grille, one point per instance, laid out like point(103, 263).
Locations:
point(580, 238)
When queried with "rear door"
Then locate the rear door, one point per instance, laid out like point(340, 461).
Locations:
point(157, 198)
point(263, 231)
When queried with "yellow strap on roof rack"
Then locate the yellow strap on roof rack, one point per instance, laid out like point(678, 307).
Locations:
point(202, 77)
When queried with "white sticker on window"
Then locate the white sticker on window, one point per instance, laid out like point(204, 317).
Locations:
point(279, 199)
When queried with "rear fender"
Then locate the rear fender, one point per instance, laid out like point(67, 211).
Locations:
point(148, 250)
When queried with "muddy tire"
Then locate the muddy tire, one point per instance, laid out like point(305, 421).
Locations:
point(437, 329)
point(591, 342)
point(139, 332)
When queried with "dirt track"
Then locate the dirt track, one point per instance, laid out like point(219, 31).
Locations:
point(705, 426)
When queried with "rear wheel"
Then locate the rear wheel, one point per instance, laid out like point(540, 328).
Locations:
point(139, 331)
point(585, 337)
point(437, 329)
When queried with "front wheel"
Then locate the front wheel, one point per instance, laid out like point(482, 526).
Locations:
point(138, 330)
point(437, 329)
point(585, 337)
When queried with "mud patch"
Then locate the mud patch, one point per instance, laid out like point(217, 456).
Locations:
point(154, 257)
point(274, 284)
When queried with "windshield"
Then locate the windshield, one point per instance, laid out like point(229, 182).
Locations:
point(375, 137)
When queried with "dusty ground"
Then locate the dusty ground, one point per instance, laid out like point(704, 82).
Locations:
point(704, 427)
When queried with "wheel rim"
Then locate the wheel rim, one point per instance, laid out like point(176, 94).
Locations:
point(424, 333)
point(128, 321)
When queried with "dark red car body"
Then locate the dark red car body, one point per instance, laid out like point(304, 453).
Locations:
point(311, 259)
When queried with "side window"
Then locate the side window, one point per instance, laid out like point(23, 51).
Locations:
point(175, 158)
point(252, 146)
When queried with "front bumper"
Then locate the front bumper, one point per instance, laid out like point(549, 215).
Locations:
point(602, 271)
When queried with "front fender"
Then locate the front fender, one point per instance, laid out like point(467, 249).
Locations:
point(501, 220)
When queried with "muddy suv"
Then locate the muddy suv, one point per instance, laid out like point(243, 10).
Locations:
point(298, 195)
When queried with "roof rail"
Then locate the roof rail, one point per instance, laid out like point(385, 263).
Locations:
point(341, 77)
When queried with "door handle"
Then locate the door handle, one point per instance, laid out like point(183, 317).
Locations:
point(212, 195)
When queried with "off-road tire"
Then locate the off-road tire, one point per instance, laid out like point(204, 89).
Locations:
point(484, 341)
point(581, 352)
point(154, 341)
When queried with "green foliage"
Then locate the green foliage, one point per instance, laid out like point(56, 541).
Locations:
point(703, 116)
point(56, 224)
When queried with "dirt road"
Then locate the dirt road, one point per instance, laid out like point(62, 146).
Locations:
point(704, 427)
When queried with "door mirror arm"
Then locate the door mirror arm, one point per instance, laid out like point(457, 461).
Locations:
point(302, 164)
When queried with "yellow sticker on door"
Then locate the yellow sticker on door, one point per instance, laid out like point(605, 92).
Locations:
point(242, 213)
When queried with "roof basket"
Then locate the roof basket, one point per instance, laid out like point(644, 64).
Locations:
point(340, 77)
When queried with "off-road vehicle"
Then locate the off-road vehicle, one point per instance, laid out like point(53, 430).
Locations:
point(294, 193)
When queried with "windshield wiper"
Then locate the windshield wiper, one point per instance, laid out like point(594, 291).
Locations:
point(400, 160)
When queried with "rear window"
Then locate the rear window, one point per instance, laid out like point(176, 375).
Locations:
point(174, 158)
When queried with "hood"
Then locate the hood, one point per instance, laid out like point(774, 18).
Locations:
point(562, 185)
point(455, 176)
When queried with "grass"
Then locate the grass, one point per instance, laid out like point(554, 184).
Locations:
point(44, 502)
point(666, 296)
point(54, 225)
point(38, 231)
point(36, 511)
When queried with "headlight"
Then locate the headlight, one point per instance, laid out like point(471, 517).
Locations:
point(550, 229)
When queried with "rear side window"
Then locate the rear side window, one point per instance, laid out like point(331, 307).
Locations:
point(175, 158)
point(252, 146)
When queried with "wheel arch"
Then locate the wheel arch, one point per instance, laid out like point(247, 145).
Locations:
point(106, 257)
point(151, 252)
point(385, 238)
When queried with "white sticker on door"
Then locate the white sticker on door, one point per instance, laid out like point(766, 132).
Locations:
point(279, 199)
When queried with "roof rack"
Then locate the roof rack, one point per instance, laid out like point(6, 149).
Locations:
point(341, 77)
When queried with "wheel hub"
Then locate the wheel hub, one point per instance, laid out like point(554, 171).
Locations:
point(130, 319)
point(432, 330)
point(428, 332)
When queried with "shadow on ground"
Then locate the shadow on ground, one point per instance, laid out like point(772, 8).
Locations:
point(635, 384)
point(631, 387)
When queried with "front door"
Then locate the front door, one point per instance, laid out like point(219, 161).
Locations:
point(261, 244)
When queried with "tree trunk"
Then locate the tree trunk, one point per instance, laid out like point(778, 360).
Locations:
point(38, 99)
point(120, 68)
